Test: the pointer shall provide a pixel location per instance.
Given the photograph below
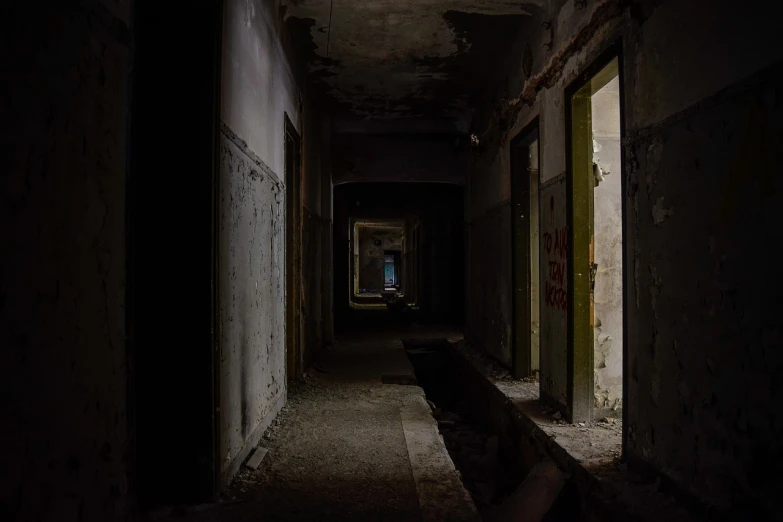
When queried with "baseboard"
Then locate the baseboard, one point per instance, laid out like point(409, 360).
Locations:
point(252, 441)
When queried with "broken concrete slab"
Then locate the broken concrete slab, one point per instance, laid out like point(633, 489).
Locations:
point(256, 458)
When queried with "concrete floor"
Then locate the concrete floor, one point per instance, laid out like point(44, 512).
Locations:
point(348, 447)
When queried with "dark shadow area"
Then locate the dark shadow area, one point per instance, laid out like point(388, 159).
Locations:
point(472, 444)
point(169, 256)
point(493, 459)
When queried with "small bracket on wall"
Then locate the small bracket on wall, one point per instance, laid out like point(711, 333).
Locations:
point(580, 4)
point(547, 25)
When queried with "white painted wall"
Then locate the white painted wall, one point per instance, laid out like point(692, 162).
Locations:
point(608, 306)
point(258, 89)
point(258, 81)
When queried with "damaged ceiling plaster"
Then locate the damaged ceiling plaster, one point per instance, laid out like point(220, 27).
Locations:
point(394, 59)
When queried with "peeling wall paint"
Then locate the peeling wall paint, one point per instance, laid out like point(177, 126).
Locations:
point(251, 298)
point(259, 88)
point(382, 60)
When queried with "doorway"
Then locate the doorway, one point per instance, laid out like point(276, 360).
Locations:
point(597, 267)
point(293, 209)
point(525, 252)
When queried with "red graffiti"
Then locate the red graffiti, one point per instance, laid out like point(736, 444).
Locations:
point(556, 247)
point(559, 241)
point(556, 272)
point(556, 296)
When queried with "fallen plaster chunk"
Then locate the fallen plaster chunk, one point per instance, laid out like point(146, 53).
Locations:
point(256, 458)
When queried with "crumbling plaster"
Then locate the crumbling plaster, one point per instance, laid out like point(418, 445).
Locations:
point(260, 86)
point(392, 59)
point(251, 298)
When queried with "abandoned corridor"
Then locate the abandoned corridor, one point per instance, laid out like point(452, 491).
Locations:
point(432, 260)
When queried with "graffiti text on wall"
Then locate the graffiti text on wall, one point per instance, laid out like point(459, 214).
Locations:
point(556, 246)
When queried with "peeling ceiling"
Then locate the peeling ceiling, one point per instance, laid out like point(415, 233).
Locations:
point(390, 59)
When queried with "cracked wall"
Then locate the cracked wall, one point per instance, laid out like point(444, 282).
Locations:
point(62, 285)
point(251, 298)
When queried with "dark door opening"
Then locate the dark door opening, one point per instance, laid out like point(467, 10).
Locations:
point(392, 269)
point(293, 261)
point(525, 252)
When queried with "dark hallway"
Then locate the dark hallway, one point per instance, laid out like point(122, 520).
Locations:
point(391, 260)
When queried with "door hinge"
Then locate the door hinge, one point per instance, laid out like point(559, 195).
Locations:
point(593, 272)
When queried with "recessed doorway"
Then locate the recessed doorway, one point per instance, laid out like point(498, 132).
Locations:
point(596, 268)
point(525, 354)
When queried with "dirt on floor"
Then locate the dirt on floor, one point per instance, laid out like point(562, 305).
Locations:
point(337, 450)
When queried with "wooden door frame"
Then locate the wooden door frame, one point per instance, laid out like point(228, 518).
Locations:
point(579, 195)
point(293, 261)
point(521, 345)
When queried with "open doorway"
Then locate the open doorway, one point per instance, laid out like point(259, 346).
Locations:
point(392, 270)
point(377, 266)
point(525, 252)
point(596, 270)
point(293, 209)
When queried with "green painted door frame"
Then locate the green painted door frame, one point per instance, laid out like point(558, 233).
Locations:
point(579, 189)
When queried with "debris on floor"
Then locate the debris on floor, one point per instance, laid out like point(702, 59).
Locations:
point(256, 457)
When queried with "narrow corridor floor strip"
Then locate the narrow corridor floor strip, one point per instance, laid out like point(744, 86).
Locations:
point(442, 495)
